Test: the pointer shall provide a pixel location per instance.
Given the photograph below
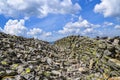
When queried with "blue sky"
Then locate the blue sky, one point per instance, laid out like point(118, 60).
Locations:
point(53, 19)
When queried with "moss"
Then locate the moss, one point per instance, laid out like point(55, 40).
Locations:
point(3, 62)
point(14, 66)
point(1, 73)
point(89, 77)
point(46, 73)
point(106, 76)
point(27, 70)
point(84, 58)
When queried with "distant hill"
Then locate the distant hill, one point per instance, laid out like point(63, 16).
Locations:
point(70, 58)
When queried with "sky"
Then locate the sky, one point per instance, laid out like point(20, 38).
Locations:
point(51, 20)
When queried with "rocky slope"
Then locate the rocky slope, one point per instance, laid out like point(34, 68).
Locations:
point(71, 58)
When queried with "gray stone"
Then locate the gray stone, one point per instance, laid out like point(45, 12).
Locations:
point(57, 73)
point(107, 52)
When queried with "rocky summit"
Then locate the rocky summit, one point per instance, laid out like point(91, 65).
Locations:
point(70, 58)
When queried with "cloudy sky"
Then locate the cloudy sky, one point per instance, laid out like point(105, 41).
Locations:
point(53, 19)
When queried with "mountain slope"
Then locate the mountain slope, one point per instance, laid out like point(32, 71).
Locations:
point(70, 58)
point(100, 57)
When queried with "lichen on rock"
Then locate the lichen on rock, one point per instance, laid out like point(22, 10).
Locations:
point(70, 58)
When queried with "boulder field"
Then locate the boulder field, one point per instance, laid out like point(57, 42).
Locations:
point(70, 58)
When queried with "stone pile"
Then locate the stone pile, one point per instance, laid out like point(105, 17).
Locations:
point(91, 59)
point(70, 58)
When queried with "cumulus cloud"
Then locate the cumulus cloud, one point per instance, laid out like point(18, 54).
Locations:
point(117, 26)
point(37, 33)
point(39, 8)
point(78, 26)
point(88, 30)
point(34, 31)
point(15, 27)
point(108, 8)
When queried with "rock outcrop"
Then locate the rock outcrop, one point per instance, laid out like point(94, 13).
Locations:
point(70, 58)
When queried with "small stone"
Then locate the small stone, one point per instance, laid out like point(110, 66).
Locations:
point(8, 78)
point(107, 52)
point(49, 61)
point(116, 41)
point(102, 46)
point(114, 78)
point(83, 69)
point(115, 61)
point(29, 76)
point(91, 64)
point(46, 74)
point(56, 73)
point(20, 69)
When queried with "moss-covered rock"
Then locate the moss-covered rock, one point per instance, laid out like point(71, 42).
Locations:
point(70, 58)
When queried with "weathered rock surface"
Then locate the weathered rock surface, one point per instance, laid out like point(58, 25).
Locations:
point(70, 58)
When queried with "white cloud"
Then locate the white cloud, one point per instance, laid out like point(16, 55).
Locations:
point(76, 27)
point(108, 24)
point(39, 8)
point(34, 32)
point(117, 26)
point(46, 34)
point(88, 30)
point(38, 33)
point(15, 27)
point(108, 8)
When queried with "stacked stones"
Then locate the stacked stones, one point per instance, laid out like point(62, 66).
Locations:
point(70, 58)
